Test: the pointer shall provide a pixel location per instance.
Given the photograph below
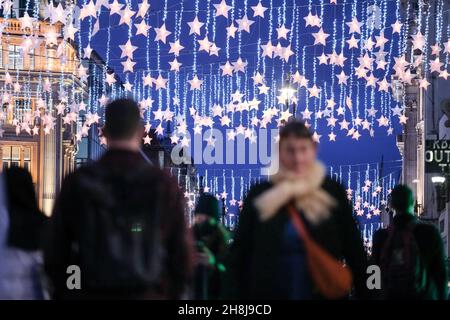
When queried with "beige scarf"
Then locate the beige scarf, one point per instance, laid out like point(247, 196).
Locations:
point(305, 190)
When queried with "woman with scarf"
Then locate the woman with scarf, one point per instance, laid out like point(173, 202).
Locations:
point(289, 223)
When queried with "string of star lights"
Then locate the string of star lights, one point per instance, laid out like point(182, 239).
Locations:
point(366, 185)
point(213, 71)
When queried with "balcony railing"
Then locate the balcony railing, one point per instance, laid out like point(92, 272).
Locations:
point(13, 26)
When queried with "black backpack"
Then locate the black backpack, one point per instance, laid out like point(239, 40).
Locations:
point(119, 245)
point(403, 273)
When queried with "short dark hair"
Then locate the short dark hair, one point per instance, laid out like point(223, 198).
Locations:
point(402, 198)
point(122, 119)
point(297, 129)
point(209, 205)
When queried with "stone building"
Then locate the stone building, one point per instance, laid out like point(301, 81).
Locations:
point(428, 113)
point(37, 73)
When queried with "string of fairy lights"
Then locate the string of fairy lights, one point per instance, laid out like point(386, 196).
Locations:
point(369, 196)
point(222, 64)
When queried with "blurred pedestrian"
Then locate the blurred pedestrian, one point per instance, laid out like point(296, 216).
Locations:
point(21, 230)
point(410, 253)
point(212, 247)
point(121, 221)
point(295, 231)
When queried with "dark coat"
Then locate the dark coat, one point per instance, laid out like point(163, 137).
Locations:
point(213, 243)
point(430, 249)
point(67, 221)
point(256, 250)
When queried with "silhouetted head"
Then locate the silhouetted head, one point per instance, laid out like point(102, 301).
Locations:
point(123, 127)
point(297, 148)
point(402, 200)
point(20, 189)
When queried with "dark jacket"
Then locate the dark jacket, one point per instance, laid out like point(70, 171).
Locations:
point(156, 188)
point(213, 241)
point(255, 257)
point(430, 249)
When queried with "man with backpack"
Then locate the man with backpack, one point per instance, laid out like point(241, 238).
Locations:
point(212, 241)
point(121, 222)
point(410, 254)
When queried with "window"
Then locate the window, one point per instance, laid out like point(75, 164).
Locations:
point(11, 156)
point(16, 156)
point(20, 109)
point(27, 158)
point(16, 110)
point(24, 8)
point(15, 59)
point(7, 110)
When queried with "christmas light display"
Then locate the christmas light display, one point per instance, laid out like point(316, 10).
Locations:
point(235, 66)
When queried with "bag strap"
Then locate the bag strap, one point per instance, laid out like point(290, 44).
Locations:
point(298, 224)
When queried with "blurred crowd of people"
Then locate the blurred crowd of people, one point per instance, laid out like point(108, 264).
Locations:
point(122, 222)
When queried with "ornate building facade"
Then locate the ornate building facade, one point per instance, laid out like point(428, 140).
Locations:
point(38, 71)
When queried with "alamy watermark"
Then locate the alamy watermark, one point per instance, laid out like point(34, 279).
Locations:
point(229, 147)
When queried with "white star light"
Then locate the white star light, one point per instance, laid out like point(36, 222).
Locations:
point(312, 20)
point(396, 27)
point(244, 24)
point(424, 83)
point(354, 25)
point(69, 32)
point(128, 86)
point(162, 33)
point(239, 65)
point(128, 65)
point(227, 69)
point(160, 83)
point(26, 22)
point(282, 32)
point(195, 26)
point(175, 65)
point(418, 41)
point(204, 44)
point(126, 15)
point(222, 9)
point(143, 9)
point(87, 52)
point(314, 91)
point(115, 7)
point(231, 31)
point(195, 83)
point(342, 78)
point(175, 48)
point(268, 49)
point(142, 28)
point(127, 49)
point(259, 10)
point(320, 37)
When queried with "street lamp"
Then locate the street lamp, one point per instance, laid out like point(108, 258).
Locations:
point(438, 179)
point(287, 93)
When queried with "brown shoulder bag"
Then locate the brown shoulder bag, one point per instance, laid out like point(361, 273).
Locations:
point(331, 277)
